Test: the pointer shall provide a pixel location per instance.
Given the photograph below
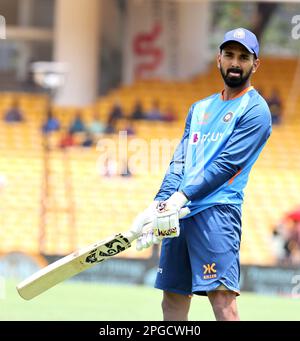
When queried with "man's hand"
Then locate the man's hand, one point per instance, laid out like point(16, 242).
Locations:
point(166, 219)
point(142, 222)
point(147, 239)
point(168, 229)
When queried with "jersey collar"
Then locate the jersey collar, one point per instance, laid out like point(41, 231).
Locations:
point(239, 94)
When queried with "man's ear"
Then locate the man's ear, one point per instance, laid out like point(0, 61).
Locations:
point(255, 65)
point(219, 61)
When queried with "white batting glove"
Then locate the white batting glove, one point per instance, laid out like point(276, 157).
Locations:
point(148, 238)
point(143, 219)
point(166, 219)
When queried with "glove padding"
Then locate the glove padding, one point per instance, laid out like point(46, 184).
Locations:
point(166, 219)
point(152, 235)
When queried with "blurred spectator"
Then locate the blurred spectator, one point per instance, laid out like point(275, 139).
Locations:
point(116, 112)
point(88, 140)
point(287, 234)
point(77, 125)
point(127, 126)
point(51, 124)
point(170, 114)
point(111, 127)
point(67, 140)
point(14, 114)
point(275, 105)
point(279, 244)
point(96, 127)
point(138, 112)
point(154, 114)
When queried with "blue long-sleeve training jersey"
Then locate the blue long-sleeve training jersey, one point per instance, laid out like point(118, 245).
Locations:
point(221, 141)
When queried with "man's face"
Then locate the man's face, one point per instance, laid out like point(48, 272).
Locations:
point(236, 64)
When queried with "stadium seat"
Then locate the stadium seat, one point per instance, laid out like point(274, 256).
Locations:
point(84, 206)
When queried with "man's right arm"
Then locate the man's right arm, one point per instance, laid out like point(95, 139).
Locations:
point(174, 174)
point(170, 185)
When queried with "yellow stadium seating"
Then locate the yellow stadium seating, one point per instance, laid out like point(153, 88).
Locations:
point(82, 206)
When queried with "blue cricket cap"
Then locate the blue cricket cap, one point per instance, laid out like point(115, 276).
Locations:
point(244, 37)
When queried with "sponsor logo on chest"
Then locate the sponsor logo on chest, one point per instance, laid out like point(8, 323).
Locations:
point(198, 137)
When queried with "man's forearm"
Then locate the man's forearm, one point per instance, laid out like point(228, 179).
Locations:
point(214, 177)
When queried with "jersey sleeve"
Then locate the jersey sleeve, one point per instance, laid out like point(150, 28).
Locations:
point(249, 136)
point(174, 174)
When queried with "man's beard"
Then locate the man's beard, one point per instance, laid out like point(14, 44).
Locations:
point(235, 82)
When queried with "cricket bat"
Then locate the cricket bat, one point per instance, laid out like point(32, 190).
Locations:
point(72, 265)
point(77, 262)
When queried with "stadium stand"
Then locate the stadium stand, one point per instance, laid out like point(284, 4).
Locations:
point(83, 206)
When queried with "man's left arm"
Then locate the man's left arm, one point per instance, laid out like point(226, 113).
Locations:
point(174, 174)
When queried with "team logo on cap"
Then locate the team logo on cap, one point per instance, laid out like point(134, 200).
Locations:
point(239, 34)
point(228, 117)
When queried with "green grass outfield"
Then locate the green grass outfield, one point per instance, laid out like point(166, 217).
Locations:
point(85, 301)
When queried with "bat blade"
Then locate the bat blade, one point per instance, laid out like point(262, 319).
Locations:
point(79, 261)
point(71, 265)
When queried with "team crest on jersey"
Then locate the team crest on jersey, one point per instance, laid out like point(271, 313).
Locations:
point(228, 117)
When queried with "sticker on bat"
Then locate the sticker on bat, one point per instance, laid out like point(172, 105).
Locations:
point(111, 248)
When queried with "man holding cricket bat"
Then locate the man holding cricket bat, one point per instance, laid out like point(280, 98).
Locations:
point(224, 135)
